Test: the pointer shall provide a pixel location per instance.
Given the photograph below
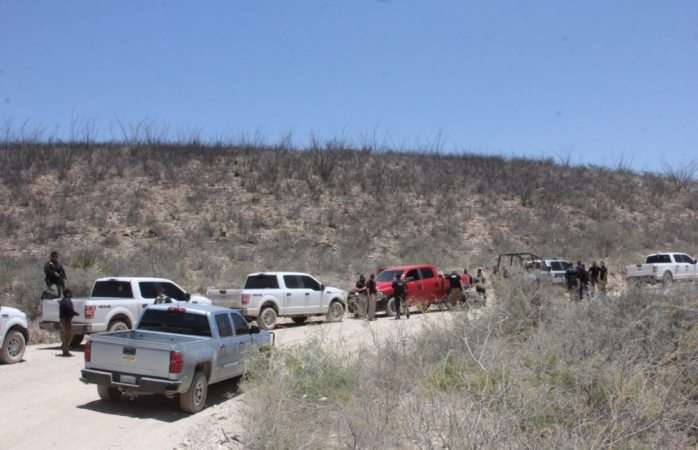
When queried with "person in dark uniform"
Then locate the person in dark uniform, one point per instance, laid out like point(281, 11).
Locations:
point(363, 293)
point(571, 278)
point(455, 292)
point(55, 274)
point(583, 278)
point(603, 278)
point(400, 294)
point(66, 312)
point(372, 297)
point(594, 273)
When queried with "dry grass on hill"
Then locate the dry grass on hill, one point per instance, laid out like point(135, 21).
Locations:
point(208, 214)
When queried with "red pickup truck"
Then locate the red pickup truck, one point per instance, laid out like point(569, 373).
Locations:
point(425, 286)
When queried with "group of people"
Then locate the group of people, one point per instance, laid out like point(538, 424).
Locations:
point(579, 279)
point(368, 292)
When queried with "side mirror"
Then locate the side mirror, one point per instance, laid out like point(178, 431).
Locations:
point(187, 296)
point(254, 329)
point(322, 287)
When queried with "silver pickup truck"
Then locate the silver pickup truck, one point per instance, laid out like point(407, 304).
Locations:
point(176, 350)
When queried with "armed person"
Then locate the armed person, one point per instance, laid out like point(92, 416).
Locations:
point(55, 274)
point(455, 292)
point(400, 295)
point(66, 312)
point(571, 279)
point(362, 291)
point(583, 278)
point(372, 297)
point(594, 274)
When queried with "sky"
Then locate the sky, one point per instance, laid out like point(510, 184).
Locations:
point(593, 82)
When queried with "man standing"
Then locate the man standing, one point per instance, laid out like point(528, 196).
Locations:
point(400, 294)
point(594, 273)
point(603, 278)
point(372, 297)
point(571, 278)
point(361, 292)
point(467, 279)
point(55, 274)
point(66, 312)
point(583, 279)
point(480, 285)
point(455, 292)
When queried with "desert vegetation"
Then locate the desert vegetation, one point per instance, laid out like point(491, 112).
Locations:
point(534, 372)
point(206, 213)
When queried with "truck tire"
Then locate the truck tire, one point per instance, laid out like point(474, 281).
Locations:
point(77, 340)
point(118, 325)
point(13, 347)
point(267, 318)
point(108, 393)
point(335, 313)
point(194, 399)
point(390, 307)
point(667, 279)
point(300, 319)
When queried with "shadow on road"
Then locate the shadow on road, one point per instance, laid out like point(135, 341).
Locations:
point(58, 348)
point(159, 407)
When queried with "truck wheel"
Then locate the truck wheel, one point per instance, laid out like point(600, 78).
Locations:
point(118, 325)
point(390, 307)
point(13, 347)
point(77, 340)
point(667, 279)
point(299, 319)
point(108, 393)
point(267, 318)
point(335, 313)
point(194, 399)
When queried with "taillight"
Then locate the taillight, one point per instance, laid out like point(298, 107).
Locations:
point(176, 362)
point(90, 311)
point(245, 299)
point(88, 351)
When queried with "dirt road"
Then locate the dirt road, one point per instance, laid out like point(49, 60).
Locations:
point(44, 405)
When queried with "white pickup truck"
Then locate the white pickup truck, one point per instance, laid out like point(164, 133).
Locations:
point(269, 295)
point(14, 334)
point(663, 268)
point(115, 304)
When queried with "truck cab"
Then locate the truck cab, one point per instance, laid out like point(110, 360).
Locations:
point(425, 286)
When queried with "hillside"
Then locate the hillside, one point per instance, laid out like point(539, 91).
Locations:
point(208, 214)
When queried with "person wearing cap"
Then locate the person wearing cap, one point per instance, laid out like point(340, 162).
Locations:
point(54, 274)
point(66, 312)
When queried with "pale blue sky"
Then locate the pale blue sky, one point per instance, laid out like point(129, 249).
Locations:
point(595, 80)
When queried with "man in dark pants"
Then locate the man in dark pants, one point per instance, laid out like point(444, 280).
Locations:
point(400, 294)
point(66, 312)
point(55, 274)
point(372, 297)
point(583, 278)
point(571, 278)
point(594, 273)
point(455, 292)
point(362, 292)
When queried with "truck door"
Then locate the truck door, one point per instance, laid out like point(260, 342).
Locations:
point(431, 284)
point(244, 341)
point(415, 288)
point(313, 294)
point(228, 347)
point(685, 268)
point(294, 294)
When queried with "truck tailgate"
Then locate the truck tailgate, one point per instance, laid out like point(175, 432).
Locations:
point(50, 310)
point(136, 352)
point(639, 270)
point(229, 298)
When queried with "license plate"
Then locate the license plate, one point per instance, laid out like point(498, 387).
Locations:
point(128, 379)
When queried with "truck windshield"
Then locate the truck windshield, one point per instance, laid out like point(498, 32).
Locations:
point(658, 259)
point(174, 322)
point(388, 275)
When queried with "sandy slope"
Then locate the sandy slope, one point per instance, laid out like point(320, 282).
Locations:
point(43, 405)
